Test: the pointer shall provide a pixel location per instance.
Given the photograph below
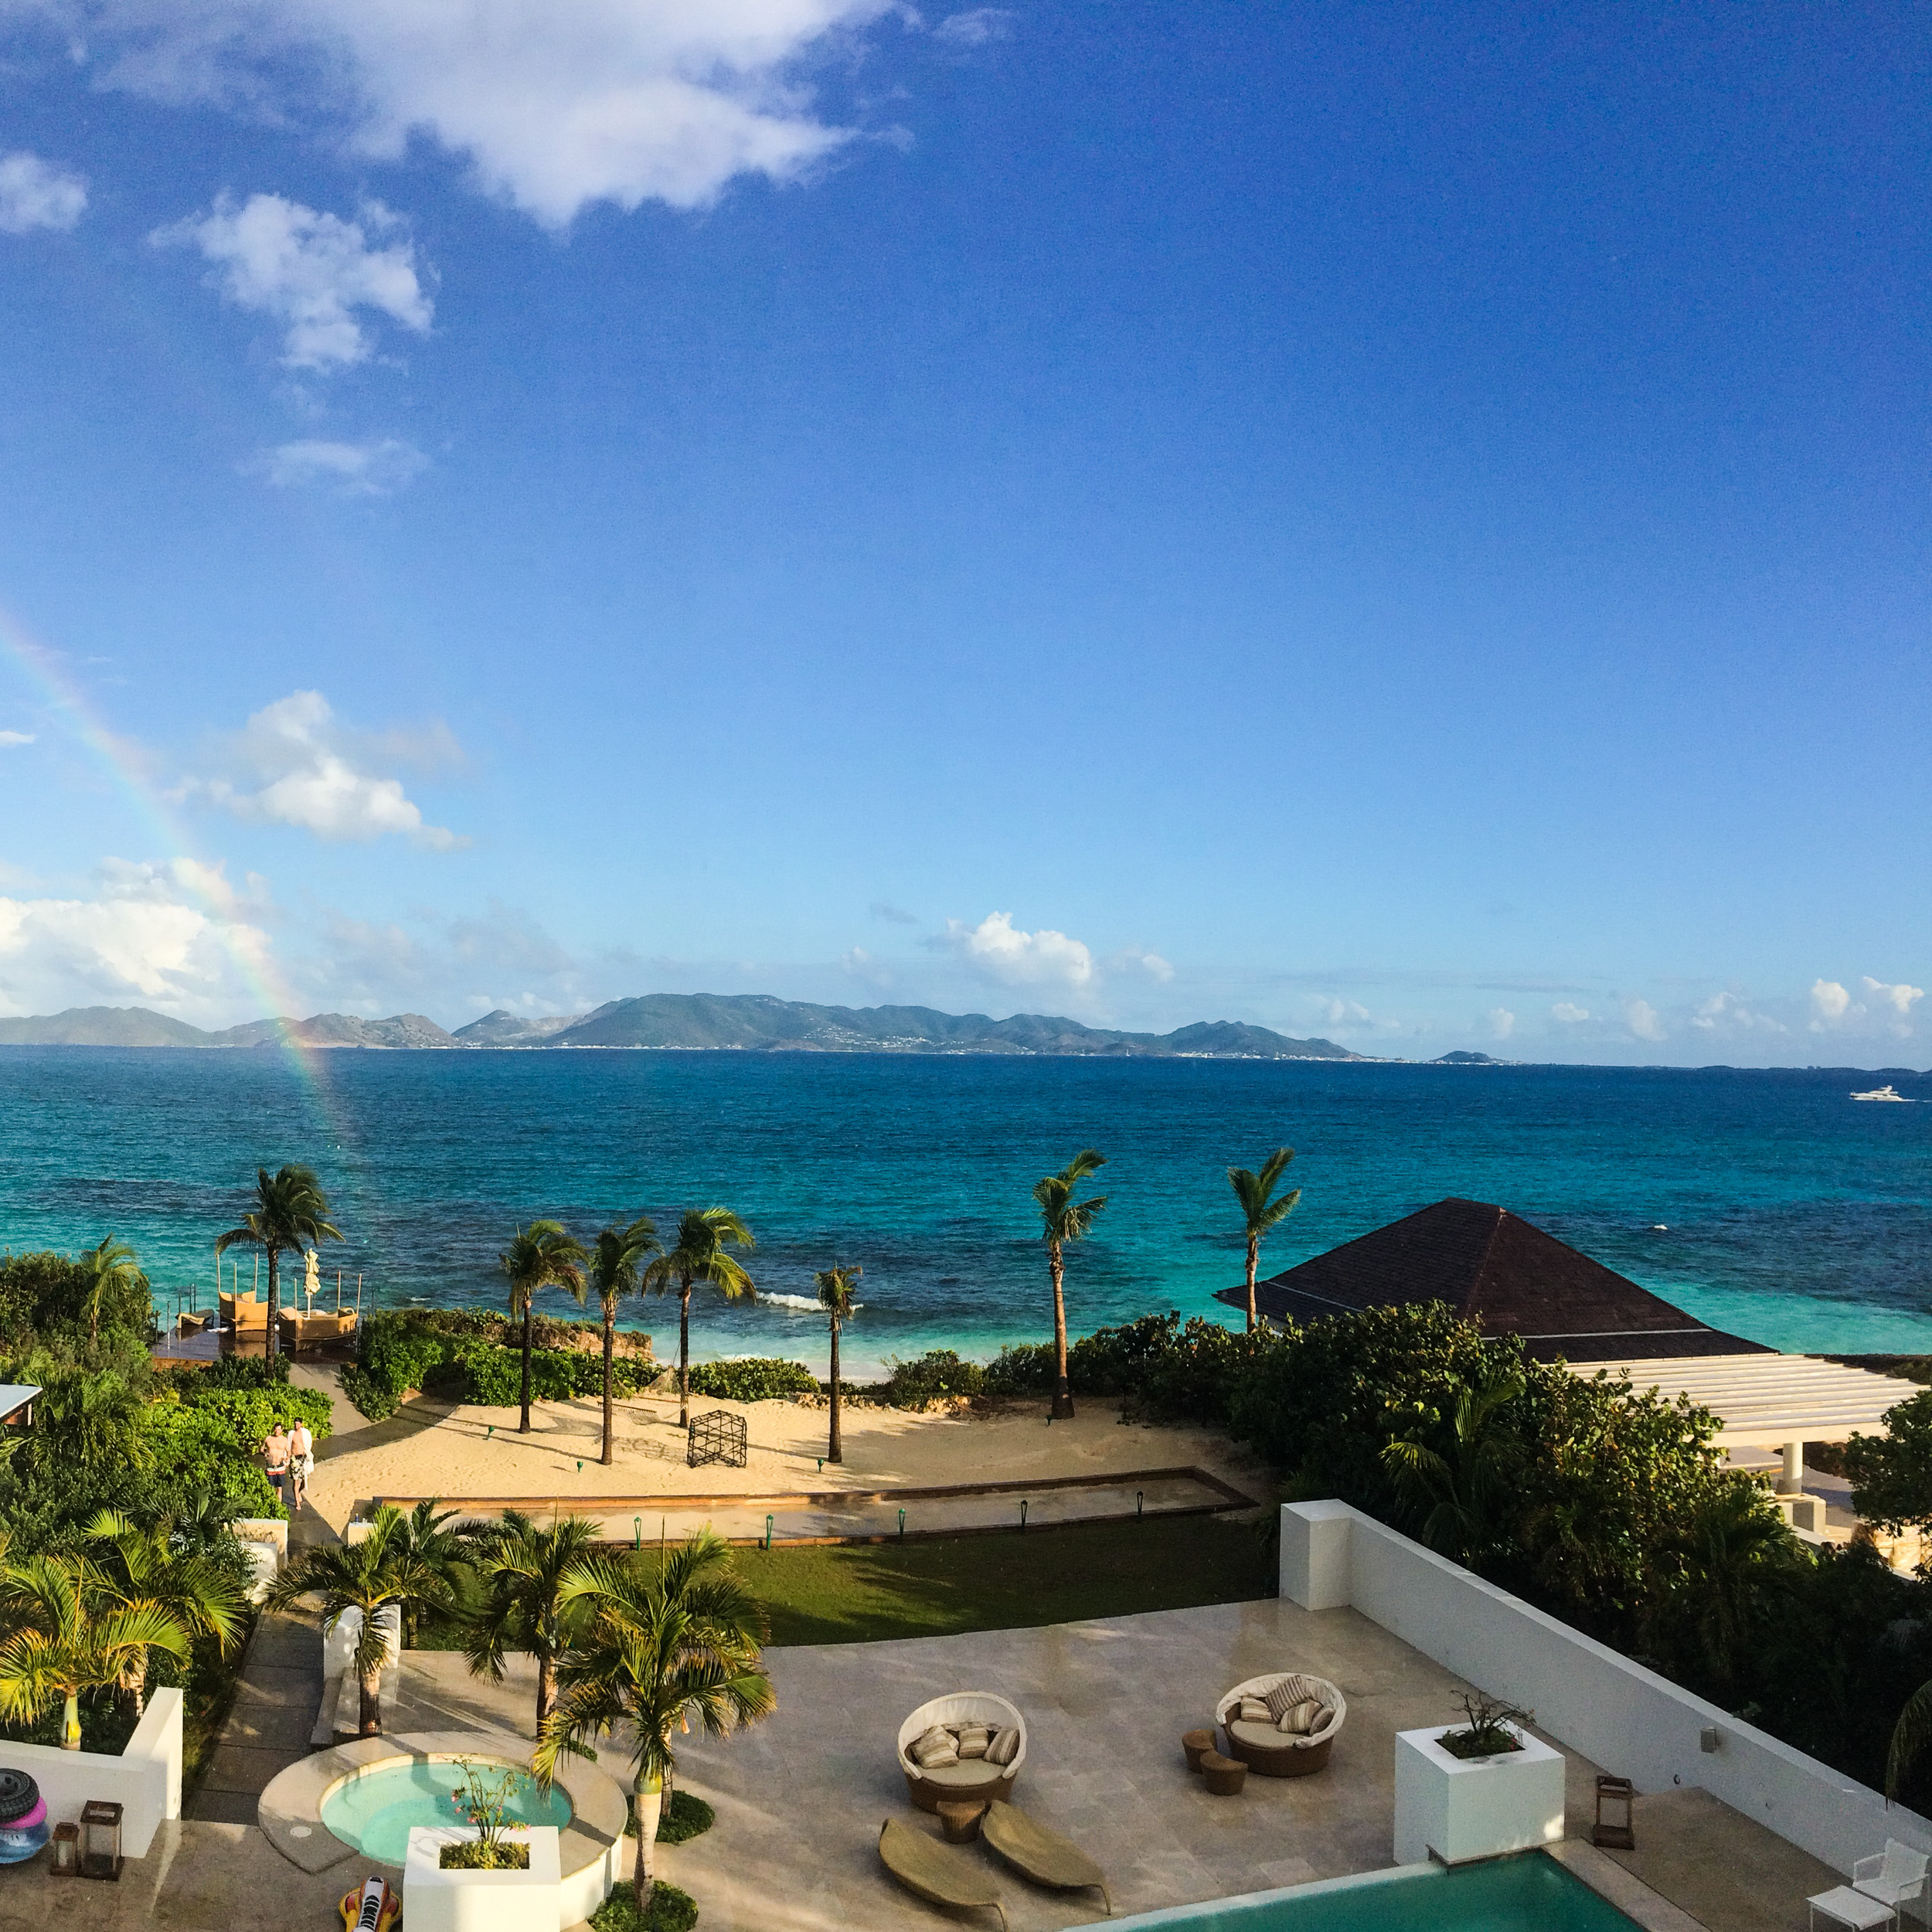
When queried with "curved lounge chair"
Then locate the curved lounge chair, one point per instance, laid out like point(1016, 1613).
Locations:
point(1273, 1754)
point(1041, 1856)
point(973, 1777)
point(935, 1871)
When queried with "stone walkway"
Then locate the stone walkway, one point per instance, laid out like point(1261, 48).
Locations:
point(267, 1730)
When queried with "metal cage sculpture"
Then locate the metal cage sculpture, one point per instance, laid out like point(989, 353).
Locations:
point(717, 1436)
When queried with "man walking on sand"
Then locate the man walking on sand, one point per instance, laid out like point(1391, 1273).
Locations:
point(275, 1454)
point(301, 1464)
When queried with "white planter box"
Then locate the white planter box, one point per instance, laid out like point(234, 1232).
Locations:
point(1456, 1809)
point(434, 1900)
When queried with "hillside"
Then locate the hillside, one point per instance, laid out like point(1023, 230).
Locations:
point(749, 1022)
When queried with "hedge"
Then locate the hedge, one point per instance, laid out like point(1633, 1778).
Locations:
point(752, 1379)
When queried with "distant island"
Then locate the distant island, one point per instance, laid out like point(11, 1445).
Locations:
point(691, 1022)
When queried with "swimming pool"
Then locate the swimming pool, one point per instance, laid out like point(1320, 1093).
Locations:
point(374, 1810)
point(1530, 1892)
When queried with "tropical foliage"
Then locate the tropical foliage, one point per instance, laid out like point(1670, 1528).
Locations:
point(1261, 1211)
point(838, 1296)
point(613, 1272)
point(705, 1237)
point(521, 1569)
point(674, 1640)
point(541, 1255)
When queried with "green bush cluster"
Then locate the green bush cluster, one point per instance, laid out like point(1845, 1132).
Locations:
point(939, 1371)
point(752, 1379)
point(671, 1910)
point(473, 1358)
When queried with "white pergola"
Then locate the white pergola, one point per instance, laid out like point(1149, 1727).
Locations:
point(1779, 1402)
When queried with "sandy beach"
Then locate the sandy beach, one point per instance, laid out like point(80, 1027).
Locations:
point(462, 1452)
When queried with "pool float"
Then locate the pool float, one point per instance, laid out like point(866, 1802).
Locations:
point(373, 1908)
point(23, 1817)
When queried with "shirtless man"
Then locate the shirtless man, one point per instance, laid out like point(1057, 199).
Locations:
point(275, 1452)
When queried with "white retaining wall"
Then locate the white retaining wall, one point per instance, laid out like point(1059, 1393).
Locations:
point(1626, 1719)
point(144, 1779)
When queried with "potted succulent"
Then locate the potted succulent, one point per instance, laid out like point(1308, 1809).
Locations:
point(1477, 1789)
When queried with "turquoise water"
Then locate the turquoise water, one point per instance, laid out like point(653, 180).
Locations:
point(1532, 1893)
point(374, 1812)
point(1768, 1202)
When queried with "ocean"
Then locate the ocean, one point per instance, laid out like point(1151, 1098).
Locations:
point(1766, 1202)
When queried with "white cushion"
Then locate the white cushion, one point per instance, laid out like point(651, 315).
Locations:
point(964, 1774)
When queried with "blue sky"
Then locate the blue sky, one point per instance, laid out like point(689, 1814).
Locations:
point(1402, 522)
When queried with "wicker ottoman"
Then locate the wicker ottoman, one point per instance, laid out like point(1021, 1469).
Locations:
point(1223, 1776)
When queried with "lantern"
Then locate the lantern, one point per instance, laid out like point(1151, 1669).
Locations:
point(66, 1850)
point(1615, 1798)
point(100, 1839)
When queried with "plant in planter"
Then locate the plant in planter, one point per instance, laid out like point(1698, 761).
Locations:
point(484, 1799)
point(1489, 1731)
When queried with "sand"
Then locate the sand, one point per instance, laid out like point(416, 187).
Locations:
point(466, 1453)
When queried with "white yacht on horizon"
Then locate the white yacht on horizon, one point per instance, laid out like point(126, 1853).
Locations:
point(1888, 1092)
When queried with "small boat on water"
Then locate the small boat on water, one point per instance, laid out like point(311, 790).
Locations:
point(1888, 1092)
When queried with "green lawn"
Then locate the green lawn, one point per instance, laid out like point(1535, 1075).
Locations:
point(859, 1593)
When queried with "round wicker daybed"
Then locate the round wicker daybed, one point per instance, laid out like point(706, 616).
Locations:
point(1271, 1752)
point(972, 1777)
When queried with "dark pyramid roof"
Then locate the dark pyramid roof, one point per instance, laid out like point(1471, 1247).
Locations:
point(1489, 1265)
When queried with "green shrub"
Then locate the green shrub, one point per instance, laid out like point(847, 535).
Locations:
point(939, 1371)
point(752, 1379)
point(237, 1372)
point(671, 1910)
point(686, 1817)
point(1026, 1370)
point(371, 1398)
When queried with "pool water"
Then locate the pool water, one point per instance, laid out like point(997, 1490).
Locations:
point(1530, 1893)
point(374, 1810)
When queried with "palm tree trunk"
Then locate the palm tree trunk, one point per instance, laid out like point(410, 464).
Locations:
point(70, 1723)
point(836, 1452)
point(647, 1802)
point(684, 1354)
point(1063, 1389)
point(545, 1687)
point(371, 1685)
point(523, 1428)
point(610, 1324)
point(1254, 1257)
point(274, 1300)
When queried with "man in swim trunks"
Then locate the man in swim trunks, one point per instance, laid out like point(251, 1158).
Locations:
point(275, 1454)
point(301, 1464)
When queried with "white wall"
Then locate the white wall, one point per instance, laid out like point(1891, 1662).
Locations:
point(1625, 1718)
point(144, 1779)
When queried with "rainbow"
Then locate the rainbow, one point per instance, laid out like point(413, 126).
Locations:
point(65, 706)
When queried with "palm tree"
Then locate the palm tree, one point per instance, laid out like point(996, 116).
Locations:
point(365, 1576)
point(703, 1234)
point(613, 1271)
point(424, 1537)
point(1260, 1214)
point(290, 1212)
point(522, 1568)
point(674, 1639)
point(70, 1630)
point(1065, 1219)
point(111, 1266)
point(541, 1255)
point(1461, 1490)
point(88, 1419)
point(1733, 1545)
point(836, 1289)
point(203, 1595)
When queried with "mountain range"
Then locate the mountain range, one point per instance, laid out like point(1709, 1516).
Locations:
point(748, 1022)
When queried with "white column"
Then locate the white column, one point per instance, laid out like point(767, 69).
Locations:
point(1791, 1481)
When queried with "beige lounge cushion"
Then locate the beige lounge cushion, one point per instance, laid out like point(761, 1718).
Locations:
point(973, 1739)
point(934, 1748)
point(1263, 1737)
point(1003, 1748)
point(1300, 1719)
point(1253, 1711)
point(964, 1774)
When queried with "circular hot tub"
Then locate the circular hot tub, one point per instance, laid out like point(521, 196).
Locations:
point(372, 1811)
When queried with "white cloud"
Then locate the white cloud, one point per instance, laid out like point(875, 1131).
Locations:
point(1900, 997)
point(354, 469)
point(1569, 1015)
point(975, 27)
point(309, 773)
point(35, 194)
point(1641, 1018)
point(312, 270)
point(556, 106)
point(139, 937)
point(1138, 959)
point(1830, 1003)
point(893, 915)
point(997, 950)
point(1502, 1022)
point(1729, 1012)
point(12, 740)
